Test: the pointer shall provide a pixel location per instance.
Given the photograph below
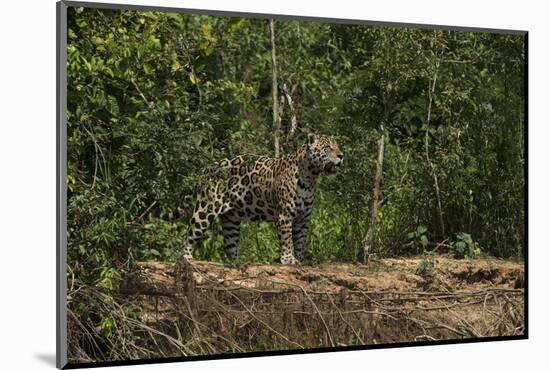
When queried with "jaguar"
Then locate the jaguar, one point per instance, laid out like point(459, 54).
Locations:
point(281, 190)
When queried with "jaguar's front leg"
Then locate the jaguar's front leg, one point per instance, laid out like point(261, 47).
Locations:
point(284, 226)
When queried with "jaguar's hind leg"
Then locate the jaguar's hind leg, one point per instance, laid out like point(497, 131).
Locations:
point(209, 206)
point(231, 233)
point(196, 232)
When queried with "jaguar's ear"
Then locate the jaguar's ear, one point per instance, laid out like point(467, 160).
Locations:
point(310, 138)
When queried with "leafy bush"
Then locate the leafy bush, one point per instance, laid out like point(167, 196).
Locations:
point(424, 267)
point(419, 238)
point(465, 247)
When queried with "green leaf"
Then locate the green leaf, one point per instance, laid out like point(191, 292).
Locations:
point(107, 325)
point(421, 229)
point(176, 66)
point(424, 240)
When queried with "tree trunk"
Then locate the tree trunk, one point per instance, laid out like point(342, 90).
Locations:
point(274, 90)
point(293, 121)
point(367, 242)
point(431, 90)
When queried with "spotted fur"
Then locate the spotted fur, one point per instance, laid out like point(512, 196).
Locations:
point(281, 190)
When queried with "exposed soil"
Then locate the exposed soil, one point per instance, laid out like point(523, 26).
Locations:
point(386, 275)
point(208, 308)
point(389, 300)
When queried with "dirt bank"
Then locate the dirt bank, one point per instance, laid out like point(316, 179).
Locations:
point(206, 308)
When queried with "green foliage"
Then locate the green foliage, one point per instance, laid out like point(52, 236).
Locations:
point(465, 247)
point(327, 237)
point(107, 325)
point(259, 243)
point(419, 238)
point(154, 99)
point(424, 267)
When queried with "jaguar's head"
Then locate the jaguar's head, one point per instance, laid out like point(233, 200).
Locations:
point(324, 155)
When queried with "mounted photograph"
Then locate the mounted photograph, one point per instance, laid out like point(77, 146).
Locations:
point(236, 185)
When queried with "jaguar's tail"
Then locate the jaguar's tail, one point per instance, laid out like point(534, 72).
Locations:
point(174, 214)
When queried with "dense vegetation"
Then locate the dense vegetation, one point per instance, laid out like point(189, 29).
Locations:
point(154, 98)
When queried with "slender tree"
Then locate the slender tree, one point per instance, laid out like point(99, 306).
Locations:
point(367, 242)
point(431, 90)
point(393, 74)
point(274, 92)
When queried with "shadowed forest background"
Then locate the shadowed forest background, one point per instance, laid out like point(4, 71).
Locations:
point(155, 98)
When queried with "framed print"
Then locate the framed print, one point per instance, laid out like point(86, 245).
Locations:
point(235, 185)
